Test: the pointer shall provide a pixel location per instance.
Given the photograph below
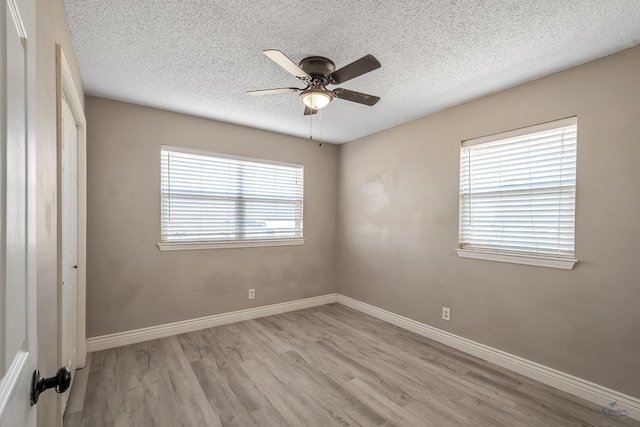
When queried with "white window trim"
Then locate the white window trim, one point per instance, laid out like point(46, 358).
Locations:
point(564, 263)
point(228, 244)
point(228, 156)
point(189, 246)
point(514, 258)
point(540, 127)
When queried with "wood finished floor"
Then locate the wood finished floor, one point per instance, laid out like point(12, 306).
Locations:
point(324, 366)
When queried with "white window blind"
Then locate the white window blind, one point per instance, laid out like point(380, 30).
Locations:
point(209, 197)
point(517, 190)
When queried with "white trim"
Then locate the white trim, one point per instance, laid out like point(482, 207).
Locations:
point(188, 246)
point(576, 386)
point(229, 156)
point(139, 335)
point(513, 258)
point(68, 89)
point(540, 127)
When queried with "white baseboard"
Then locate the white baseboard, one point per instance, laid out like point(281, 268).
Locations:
point(154, 332)
point(592, 392)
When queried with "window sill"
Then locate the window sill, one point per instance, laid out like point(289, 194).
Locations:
point(188, 246)
point(538, 261)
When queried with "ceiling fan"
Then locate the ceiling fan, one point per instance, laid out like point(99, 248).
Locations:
point(317, 72)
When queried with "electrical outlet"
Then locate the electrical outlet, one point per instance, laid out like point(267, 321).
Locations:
point(252, 293)
point(446, 314)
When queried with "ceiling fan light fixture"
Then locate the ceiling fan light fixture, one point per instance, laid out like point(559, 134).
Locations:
point(316, 98)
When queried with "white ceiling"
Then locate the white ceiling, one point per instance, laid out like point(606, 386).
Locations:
point(200, 56)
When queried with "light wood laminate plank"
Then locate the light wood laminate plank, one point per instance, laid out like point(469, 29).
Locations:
point(323, 366)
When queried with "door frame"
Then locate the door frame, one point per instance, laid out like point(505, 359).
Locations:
point(65, 85)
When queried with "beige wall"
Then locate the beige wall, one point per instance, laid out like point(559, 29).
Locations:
point(131, 283)
point(398, 227)
point(51, 29)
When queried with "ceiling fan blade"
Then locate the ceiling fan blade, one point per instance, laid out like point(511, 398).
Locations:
point(281, 59)
point(308, 111)
point(352, 95)
point(356, 68)
point(272, 91)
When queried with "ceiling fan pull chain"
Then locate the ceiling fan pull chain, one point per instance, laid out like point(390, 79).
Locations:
point(320, 127)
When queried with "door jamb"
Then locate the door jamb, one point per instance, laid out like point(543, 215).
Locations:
point(65, 85)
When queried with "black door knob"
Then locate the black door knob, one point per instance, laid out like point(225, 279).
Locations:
point(60, 381)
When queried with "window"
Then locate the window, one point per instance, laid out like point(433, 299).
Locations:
point(517, 195)
point(215, 200)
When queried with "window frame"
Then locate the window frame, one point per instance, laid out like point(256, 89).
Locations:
point(509, 256)
point(225, 244)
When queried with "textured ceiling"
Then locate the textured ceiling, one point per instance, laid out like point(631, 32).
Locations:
point(200, 56)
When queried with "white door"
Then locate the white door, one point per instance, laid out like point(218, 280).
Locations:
point(69, 292)
point(17, 213)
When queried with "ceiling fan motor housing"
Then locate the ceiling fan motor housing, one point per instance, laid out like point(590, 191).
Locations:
point(318, 66)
